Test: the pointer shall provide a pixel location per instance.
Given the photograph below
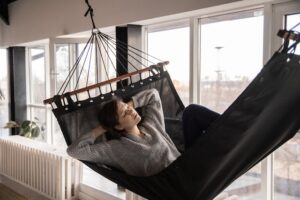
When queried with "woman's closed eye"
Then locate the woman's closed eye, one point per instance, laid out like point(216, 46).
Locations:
point(125, 111)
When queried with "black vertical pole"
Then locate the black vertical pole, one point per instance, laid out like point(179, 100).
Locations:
point(17, 64)
point(128, 35)
point(122, 52)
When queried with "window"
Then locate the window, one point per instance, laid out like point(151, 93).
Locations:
point(172, 43)
point(292, 22)
point(62, 63)
point(4, 93)
point(37, 88)
point(87, 68)
point(101, 68)
point(286, 162)
point(90, 71)
point(60, 73)
point(100, 64)
point(230, 59)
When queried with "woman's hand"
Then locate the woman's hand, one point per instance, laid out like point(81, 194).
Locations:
point(130, 103)
point(98, 131)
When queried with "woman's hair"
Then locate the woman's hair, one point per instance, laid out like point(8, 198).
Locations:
point(108, 118)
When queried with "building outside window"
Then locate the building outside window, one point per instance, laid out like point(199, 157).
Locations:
point(171, 43)
point(37, 89)
point(230, 59)
point(286, 162)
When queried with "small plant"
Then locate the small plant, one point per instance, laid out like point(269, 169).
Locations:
point(29, 129)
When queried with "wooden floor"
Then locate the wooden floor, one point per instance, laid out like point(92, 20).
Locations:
point(8, 194)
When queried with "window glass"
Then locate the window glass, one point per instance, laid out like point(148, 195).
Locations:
point(37, 75)
point(62, 61)
point(107, 65)
point(38, 115)
point(231, 56)
point(91, 71)
point(63, 65)
point(37, 89)
point(292, 21)
point(173, 45)
point(287, 158)
point(86, 72)
point(4, 93)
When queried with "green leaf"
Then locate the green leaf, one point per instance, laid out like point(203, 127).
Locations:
point(11, 124)
point(25, 124)
point(29, 129)
point(35, 132)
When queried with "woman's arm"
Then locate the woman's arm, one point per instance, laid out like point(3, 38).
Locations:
point(145, 98)
point(98, 131)
point(86, 149)
point(150, 101)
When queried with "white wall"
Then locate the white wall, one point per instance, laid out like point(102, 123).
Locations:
point(1, 27)
point(32, 20)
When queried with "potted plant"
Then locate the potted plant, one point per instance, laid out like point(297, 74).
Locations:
point(28, 128)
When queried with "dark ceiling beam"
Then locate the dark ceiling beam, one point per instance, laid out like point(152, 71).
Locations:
point(4, 10)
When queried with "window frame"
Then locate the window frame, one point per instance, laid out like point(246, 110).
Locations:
point(30, 104)
point(278, 20)
point(73, 53)
point(195, 58)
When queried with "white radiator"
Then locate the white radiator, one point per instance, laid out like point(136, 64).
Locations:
point(41, 167)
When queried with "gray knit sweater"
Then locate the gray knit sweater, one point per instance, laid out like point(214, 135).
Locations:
point(132, 154)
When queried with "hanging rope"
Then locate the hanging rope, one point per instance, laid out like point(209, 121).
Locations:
point(288, 35)
point(91, 12)
point(102, 48)
point(295, 26)
point(72, 71)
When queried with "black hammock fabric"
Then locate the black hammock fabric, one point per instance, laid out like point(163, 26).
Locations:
point(261, 119)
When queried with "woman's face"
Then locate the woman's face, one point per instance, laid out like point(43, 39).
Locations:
point(128, 117)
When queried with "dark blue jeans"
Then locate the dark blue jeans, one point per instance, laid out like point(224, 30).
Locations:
point(195, 120)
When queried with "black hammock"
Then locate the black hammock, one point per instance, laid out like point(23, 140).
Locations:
point(262, 118)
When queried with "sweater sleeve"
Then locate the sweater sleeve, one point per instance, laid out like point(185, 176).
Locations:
point(150, 101)
point(86, 149)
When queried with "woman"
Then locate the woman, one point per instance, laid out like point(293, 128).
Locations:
point(140, 148)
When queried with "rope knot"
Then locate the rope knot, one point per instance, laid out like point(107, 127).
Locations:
point(91, 12)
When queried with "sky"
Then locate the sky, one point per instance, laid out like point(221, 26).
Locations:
point(241, 42)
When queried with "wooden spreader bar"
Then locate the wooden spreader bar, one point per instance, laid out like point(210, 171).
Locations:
point(110, 81)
